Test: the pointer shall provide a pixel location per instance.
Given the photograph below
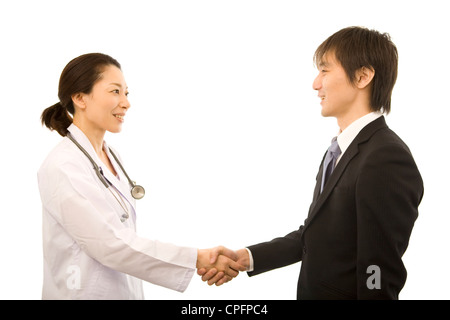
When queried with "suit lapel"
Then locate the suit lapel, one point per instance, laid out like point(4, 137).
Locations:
point(318, 181)
point(320, 198)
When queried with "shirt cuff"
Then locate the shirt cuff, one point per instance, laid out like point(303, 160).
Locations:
point(250, 256)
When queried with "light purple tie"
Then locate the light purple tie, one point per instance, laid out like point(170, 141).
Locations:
point(330, 161)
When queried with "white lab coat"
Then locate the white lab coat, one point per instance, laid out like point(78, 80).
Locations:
point(88, 252)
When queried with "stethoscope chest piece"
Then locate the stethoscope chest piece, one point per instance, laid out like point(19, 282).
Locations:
point(137, 192)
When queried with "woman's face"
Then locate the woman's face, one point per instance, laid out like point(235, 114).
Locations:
point(105, 107)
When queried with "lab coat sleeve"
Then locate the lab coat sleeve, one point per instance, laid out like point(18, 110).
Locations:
point(79, 204)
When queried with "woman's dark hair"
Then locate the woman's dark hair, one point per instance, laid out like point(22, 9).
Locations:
point(79, 76)
point(357, 47)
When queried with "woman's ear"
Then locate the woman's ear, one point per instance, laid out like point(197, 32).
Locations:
point(78, 100)
point(364, 76)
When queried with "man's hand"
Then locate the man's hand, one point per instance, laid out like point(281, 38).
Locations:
point(216, 276)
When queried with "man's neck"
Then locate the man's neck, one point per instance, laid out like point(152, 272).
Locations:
point(347, 119)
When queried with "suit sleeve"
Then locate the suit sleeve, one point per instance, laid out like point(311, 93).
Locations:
point(277, 253)
point(388, 192)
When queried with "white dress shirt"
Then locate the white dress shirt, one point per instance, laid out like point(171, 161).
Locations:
point(89, 253)
point(344, 139)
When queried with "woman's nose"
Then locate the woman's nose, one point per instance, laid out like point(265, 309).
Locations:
point(125, 103)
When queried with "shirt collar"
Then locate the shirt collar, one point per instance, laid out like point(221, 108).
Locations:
point(346, 137)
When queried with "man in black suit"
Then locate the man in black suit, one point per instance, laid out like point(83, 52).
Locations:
point(361, 217)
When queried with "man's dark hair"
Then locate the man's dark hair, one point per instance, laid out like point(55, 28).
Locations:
point(357, 47)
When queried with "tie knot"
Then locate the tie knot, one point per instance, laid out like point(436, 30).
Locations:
point(334, 148)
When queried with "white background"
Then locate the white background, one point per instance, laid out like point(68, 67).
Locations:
point(225, 130)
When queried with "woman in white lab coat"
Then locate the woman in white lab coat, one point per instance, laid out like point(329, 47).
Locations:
point(91, 249)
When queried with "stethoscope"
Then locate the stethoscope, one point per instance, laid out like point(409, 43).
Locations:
point(137, 191)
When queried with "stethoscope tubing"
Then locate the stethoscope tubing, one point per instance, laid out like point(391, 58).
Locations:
point(137, 191)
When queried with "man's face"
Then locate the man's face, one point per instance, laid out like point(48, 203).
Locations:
point(337, 94)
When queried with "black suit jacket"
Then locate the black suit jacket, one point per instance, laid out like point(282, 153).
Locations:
point(363, 218)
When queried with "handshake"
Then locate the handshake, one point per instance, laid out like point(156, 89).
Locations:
point(219, 265)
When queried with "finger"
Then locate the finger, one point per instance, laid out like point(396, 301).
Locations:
point(208, 275)
point(201, 271)
point(236, 266)
point(221, 250)
point(214, 254)
point(225, 279)
point(229, 266)
point(228, 253)
point(232, 273)
point(216, 278)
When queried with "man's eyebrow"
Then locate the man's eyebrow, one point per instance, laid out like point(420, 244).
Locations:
point(323, 64)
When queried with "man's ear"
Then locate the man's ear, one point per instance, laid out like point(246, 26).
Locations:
point(364, 76)
point(78, 100)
